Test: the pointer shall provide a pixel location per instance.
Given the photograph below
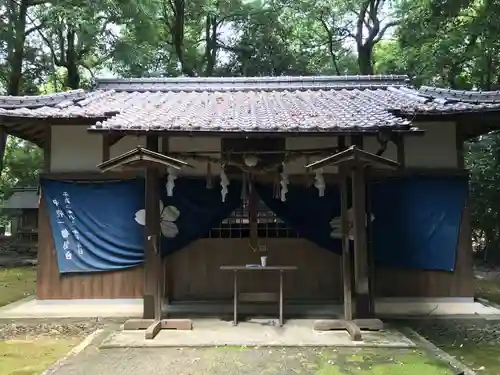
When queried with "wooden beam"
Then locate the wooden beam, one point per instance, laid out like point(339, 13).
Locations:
point(47, 148)
point(165, 145)
point(354, 156)
point(361, 274)
point(252, 213)
point(400, 149)
point(151, 258)
point(357, 140)
point(106, 147)
point(369, 242)
point(153, 330)
point(139, 158)
point(167, 277)
point(341, 143)
point(459, 144)
point(344, 220)
point(3, 145)
point(346, 253)
point(337, 325)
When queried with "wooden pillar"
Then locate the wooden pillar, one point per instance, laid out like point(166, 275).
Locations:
point(369, 242)
point(106, 147)
point(168, 281)
point(346, 253)
point(47, 146)
point(400, 149)
point(362, 264)
point(361, 273)
point(464, 258)
point(459, 142)
point(3, 145)
point(252, 213)
point(152, 298)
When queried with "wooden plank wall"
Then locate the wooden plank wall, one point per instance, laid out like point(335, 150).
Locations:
point(51, 285)
point(193, 273)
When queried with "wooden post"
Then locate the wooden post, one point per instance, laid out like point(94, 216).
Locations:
point(360, 244)
point(252, 214)
point(152, 298)
point(106, 147)
point(47, 145)
point(369, 245)
point(400, 149)
point(3, 145)
point(459, 142)
point(346, 253)
point(168, 282)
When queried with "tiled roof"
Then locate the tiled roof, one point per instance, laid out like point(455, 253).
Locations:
point(23, 198)
point(434, 100)
point(257, 104)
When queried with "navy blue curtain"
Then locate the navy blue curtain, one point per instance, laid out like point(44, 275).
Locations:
point(308, 213)
point(417, 221)
point(93, 224)
point(193, 210)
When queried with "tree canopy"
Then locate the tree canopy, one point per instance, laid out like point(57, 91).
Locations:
point(53, 45)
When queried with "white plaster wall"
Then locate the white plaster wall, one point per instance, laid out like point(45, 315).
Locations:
point(435, 149)
point(197, 144)
point(75, 149)
point(372, 145)
point(300, 143)
point(125, 144)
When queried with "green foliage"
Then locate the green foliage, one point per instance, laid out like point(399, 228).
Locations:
point(53, 45)
point(483, 161)
point(22, 165)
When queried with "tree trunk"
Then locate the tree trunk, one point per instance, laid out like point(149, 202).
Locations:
point(365, 59)
point(16, 51)
point(72, 73)
point(210, 44)
point(178, 35)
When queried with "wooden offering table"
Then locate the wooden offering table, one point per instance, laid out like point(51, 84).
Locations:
point(257, 268)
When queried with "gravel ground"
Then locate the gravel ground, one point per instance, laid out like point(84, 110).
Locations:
point(458, 332)
point(32, 329)
point(248, 361)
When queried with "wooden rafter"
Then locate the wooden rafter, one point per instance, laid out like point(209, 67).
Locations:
point(141, 157)
point(354, 156)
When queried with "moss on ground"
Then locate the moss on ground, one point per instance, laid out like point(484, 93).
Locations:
point(475, 343)
point(367, 361)
point(488, 289)
point(322, 361)
point(16, 283)
point(32, 357)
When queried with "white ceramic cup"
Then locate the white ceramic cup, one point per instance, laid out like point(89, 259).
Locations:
point(263, 260)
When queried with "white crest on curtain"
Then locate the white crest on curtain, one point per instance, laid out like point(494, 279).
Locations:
point(336, 225)
point(168, 216)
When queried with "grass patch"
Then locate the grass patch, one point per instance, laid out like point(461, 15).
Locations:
point(22, 357)
point(323, 361)
point(488, 289)
point(369, 361)
point(16, 283)
point(474, 343)
point(482, 357)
